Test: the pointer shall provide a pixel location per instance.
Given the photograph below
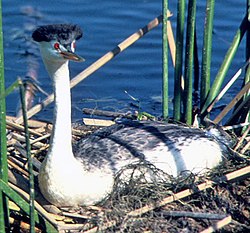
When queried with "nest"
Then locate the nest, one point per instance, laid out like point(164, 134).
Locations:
point(184, 204)
point(193, 213)
point(147, 201)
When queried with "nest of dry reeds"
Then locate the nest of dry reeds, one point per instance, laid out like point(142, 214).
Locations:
point(159, 203)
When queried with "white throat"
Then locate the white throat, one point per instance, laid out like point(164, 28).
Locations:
point(61, 135)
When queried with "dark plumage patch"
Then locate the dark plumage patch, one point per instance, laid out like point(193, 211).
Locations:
point(64, 33)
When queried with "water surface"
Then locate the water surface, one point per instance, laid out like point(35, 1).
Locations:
point(138, 70)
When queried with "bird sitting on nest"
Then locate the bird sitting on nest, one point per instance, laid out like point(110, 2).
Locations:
point(87, 176)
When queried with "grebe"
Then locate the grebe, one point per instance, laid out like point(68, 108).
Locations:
point(87, 176)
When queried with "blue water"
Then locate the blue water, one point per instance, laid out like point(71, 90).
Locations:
point(138, 70)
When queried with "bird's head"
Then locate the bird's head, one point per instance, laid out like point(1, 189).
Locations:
point(57, 42)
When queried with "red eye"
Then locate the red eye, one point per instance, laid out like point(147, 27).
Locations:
point(57, 46)
point(74, 45)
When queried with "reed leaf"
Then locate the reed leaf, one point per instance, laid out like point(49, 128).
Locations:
point(10, 89)
point(15, 197)
point(4, 216)
point(30, 165)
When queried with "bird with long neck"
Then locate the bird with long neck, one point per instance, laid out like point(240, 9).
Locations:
point(87, 176)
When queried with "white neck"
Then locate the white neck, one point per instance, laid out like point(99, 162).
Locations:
point(61, 135)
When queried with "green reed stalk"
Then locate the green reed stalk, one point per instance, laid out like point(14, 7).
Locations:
point(30, 164)
point(246, 116)
point(178, 59)
point(4, 223)
point(207, 50)
point(165, 60)
point(189, 61)
point(247, 75)
point(196, 65)
point(241, 110)
point(225, 65)
point(20, 201)
point(10, 89)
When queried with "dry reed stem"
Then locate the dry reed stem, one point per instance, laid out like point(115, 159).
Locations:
point(245, 148)
point(232, 103)
point(18, 127)
point(24, 226)
point(104, 113)
point(74, 215)
point(228, 85)
point(172, 45)
point(190, 214)
point(174, 197)
point(21, 138)
point(230, 127)
point(97, 122)
point(18, 168)
point(242, 138)
point(40, 139)
point(33, 124)
point(102, 228)
point(49, 217)
point(171, 40)
point(218, 225)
